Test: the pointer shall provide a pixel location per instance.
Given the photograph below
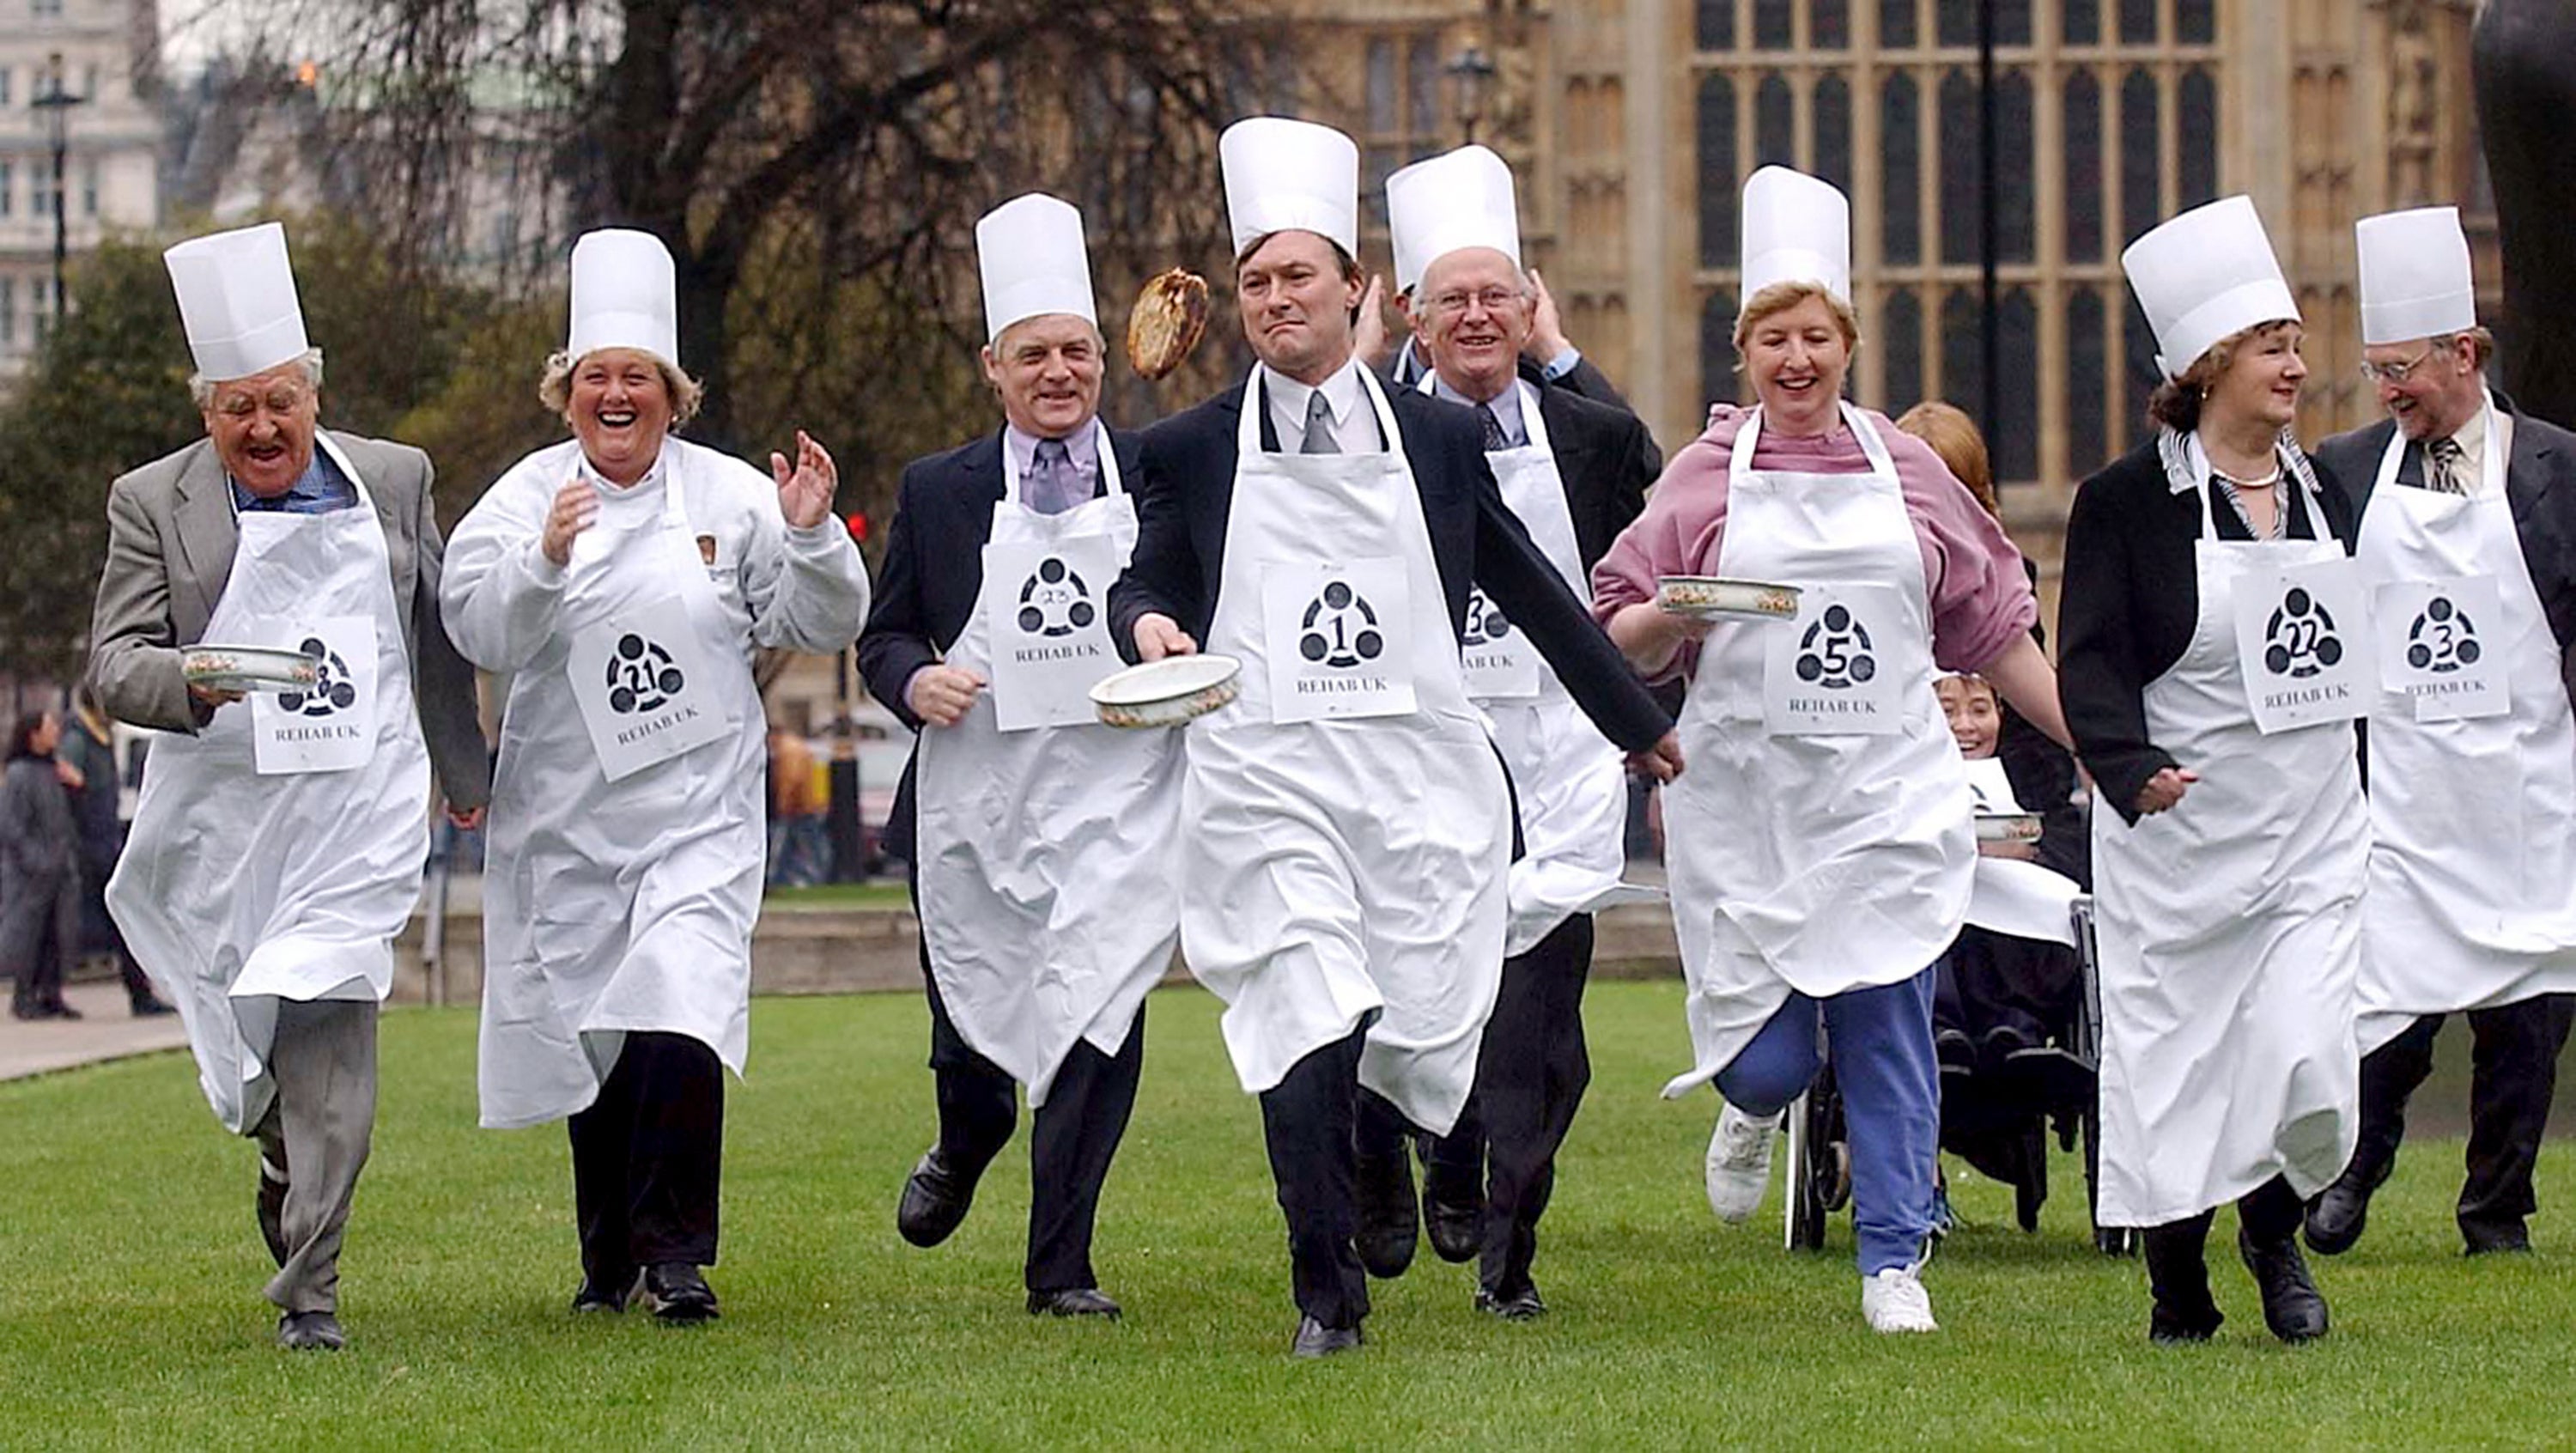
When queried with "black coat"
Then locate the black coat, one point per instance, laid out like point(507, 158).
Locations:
point(2130, 597)
point(1187, 493)
point(934, 566)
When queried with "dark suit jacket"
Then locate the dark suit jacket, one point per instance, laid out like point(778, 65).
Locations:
point(1187, 493)
point(934, 566)
point(170, 544)
point(2539, 485)
point(1406, 366)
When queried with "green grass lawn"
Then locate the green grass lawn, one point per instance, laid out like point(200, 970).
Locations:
point(840, 895)
point(133, 1315)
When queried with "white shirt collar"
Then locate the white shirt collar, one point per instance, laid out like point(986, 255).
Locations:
point(2472, 440)
point(1345, 396)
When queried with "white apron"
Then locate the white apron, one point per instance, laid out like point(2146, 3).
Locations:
point(1572, 784)
point(1331, 867)
point(1823, 838)
point(2472, 899)
point(1045, 856)
point(624, 870)
point(2229, 931)
point(242, 886)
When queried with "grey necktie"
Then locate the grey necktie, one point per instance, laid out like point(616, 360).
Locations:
point(1319, 427)
point(1054, 484)
point(2444, 464)
point(1495, 439)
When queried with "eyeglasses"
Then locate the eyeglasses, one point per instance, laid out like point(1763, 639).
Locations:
point(1492, 300)
point(2395, 372)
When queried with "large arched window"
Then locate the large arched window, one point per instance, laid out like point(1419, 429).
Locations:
point(2141, 200)
point(1900, 166)
point(2016, 445)
point(1961, 194)
point(1828, 24)
point(2088, 441)
point(1963, 371)
point(1771, 24)
point(1833, 124)
point(1775, 123)
point(2082, 132)
point(1898, 335)
point(1896, 23)
point(1714, 24)
point(1717, 184)
point(2140, 377)
point(2016, 199)
point(1717, 347)
point(2196, 119)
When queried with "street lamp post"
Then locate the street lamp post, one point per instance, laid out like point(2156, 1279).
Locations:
point(1473, 70)
point(56, 105)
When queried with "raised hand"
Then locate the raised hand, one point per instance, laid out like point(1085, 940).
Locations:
point(805, 492)
point(575, 506)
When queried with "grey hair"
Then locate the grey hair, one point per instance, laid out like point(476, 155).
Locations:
point(201, 389)
point(554, 386)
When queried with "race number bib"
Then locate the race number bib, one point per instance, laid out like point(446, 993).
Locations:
point(330, 725)
point(646, 690)
point(2437, 646)
point(2299, 644)
point(1335, 635)
point(1830, 674)
point(1499, 660)
point(1048, 629)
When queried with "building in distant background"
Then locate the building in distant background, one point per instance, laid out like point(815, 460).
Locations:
point(102, 58)
point(1632, 124)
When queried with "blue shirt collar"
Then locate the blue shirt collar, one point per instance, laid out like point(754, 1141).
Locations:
point(320, 489)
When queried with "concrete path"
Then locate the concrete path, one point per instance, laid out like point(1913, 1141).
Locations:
point(106, 1031)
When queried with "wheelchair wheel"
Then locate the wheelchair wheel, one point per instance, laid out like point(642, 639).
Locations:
point(1819, 1180)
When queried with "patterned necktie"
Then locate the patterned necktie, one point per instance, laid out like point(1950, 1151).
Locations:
point(1319, 427)
point(1495, 439)
point(2445, 465)
point(1054, 484)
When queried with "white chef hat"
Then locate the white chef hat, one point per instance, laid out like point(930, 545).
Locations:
point(1797, 229)
point(1462, 198)
point(2415, 280)
point(1282, 175)
point(2206, 275)
point(624, 295)
point(237, 301)
point(1033, 262)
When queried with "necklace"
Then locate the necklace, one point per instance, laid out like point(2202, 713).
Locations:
point(2266, 482)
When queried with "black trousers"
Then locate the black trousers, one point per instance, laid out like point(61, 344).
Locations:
point(39, 934)
point(1531, 1071)
point(1072, 1137)
point(2177, 1272)
point(1309, 1120)
point(2020, 983)
point(647, 1157)
point(2513, 1072)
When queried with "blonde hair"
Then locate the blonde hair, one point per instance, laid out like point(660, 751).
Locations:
point(554, 387)
point(1781, 297)
point(1953, 436)
point(2176, 401)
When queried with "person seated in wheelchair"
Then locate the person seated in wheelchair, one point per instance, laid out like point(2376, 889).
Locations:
point(2004, 1007)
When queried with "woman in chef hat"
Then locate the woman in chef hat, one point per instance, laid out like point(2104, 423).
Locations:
point(621, 580)
point(2213, 659)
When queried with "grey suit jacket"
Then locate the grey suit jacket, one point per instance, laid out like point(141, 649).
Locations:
point(170, 549)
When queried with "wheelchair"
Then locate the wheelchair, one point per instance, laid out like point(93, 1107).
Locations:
point(1819, 1151)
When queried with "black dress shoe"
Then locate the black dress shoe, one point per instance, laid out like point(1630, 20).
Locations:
point(1073, 1302)
point(151, 1007)
point(2493, 1241)
point(1520, 1306)
point(1957, 1052)
point(2057, 1076)
point(2292, 1306)
point(935, 1201)
point(2167, 1327)
point(1314, 1339)
point(2336, 1218)
point(676, 1294)
point(1390, 1225)
point(595, 1296)
point(311, 1332)
point(1452, 1227)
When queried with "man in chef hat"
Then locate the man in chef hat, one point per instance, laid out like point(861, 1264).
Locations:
point(1547, 349)
point(280, 840)
point(1574, 473)
point(1344, 830)
point(2468, 537)
point(987, 633)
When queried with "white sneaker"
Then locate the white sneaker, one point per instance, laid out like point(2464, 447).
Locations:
point(1894, 1301)
point(1739, 1164)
